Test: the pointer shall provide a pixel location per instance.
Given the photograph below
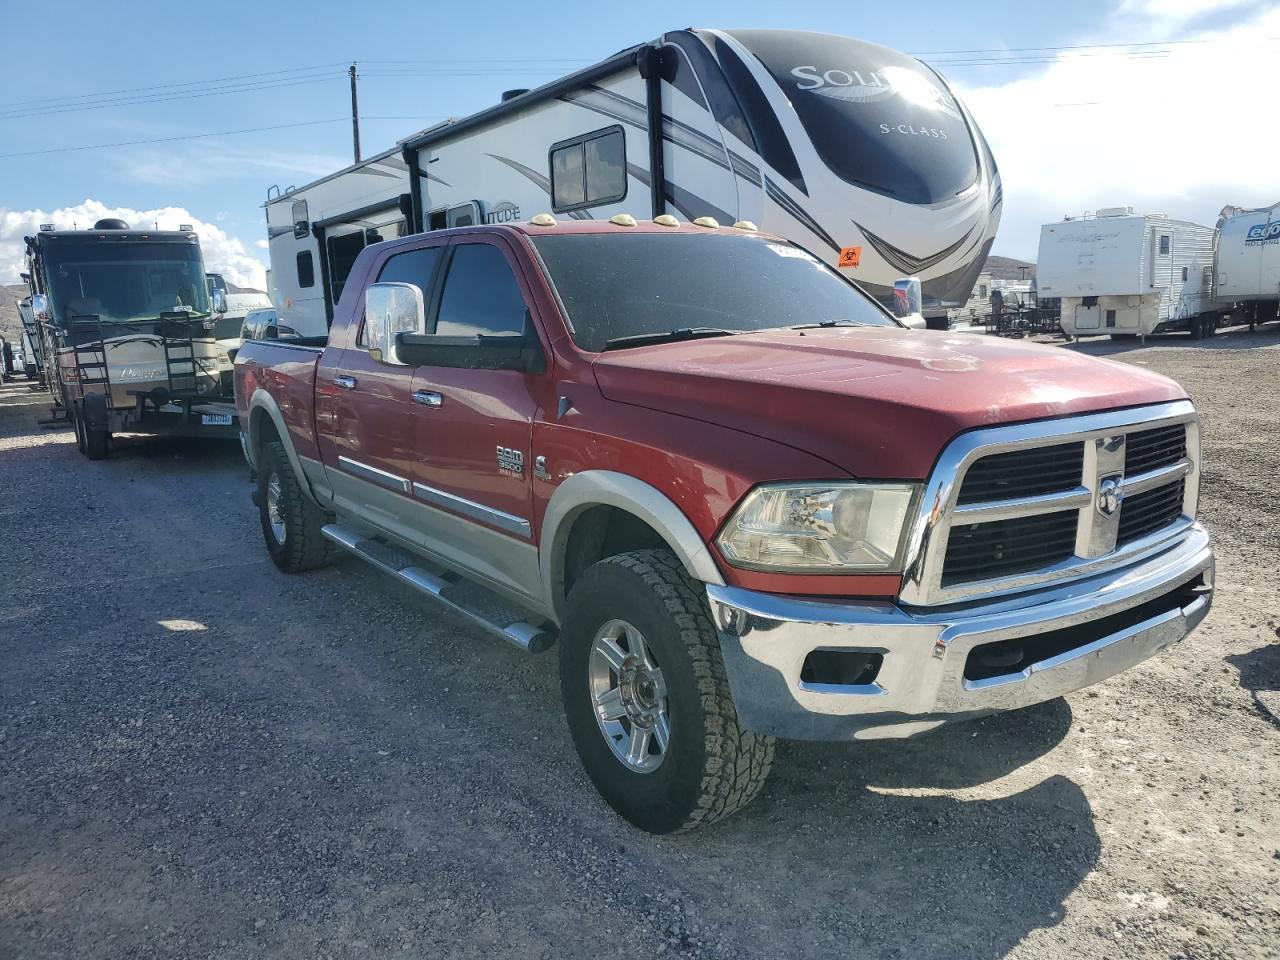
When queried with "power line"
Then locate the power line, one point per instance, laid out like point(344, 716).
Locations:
point(200, 136)
point(170, 86)
point(188, 136)
point(191, 95)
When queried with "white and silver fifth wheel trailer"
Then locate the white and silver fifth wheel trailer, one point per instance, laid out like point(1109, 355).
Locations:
point(1246, 263)
point(855, 151)
point(1127, 274)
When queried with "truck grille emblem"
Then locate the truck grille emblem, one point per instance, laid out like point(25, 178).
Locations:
point(1110, 495)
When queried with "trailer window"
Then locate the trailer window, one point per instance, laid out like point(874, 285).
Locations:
point(1164, 244)
point(306, 270)
point(481, 295)
point(588, 171)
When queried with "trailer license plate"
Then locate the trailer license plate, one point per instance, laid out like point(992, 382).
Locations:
point(216, 419)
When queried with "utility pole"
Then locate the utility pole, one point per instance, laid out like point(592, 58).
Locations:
point(355, 113)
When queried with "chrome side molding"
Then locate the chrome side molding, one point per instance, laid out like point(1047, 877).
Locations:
point(507, 522)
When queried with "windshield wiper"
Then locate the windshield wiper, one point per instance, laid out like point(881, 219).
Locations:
point(829, 323)
point(670, 336)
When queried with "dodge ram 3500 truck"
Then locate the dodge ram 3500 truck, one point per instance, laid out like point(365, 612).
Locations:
point(744, 501)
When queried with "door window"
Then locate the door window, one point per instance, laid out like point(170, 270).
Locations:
point(412, 266)
point(481, 295)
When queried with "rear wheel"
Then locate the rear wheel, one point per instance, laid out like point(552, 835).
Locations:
point(291, 522)
point(647, 699)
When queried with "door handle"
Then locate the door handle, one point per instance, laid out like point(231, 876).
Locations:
point(428, 398)
point(346, 383)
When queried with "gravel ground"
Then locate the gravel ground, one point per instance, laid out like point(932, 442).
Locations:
point(202, 757)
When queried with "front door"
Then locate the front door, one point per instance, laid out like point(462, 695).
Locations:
point(374, 415)
point(473, 428)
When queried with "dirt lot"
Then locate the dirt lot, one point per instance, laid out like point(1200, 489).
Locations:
point(201, 757)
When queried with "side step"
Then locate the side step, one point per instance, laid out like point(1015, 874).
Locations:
point(468, 600)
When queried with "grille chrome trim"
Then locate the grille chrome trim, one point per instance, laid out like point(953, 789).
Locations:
point(1072, 499)
point(1096, 548)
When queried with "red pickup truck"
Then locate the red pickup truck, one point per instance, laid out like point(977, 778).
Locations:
point(743, 500)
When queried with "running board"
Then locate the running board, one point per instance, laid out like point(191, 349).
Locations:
point(484, 610)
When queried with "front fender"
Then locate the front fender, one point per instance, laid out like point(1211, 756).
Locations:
point(593, 488)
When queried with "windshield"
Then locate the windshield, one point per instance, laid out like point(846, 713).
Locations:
point(877, 118)
point(123, 281)
point(639, 284)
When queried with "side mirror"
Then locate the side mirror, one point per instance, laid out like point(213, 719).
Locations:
point(40, 307)
point(907, 298)
point(471, 353)
point(391, 309)
point(218, 300)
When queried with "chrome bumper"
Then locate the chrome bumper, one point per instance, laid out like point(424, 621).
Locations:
point(921, 682)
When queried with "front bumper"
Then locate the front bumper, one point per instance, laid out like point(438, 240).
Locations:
point(1071, 636)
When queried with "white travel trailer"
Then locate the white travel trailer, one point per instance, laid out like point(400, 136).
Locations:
point(1127, 274)
point(858, 152)
point(1246, 263)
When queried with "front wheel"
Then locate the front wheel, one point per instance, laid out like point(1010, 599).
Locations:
point(647, 699)
point(291, 522)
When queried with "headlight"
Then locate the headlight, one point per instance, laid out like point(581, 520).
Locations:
point(820, 528)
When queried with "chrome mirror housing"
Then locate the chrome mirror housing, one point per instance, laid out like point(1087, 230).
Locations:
point(391, 309)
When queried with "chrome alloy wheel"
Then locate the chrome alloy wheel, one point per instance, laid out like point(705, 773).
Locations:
point(629, 697)
point(275, 515)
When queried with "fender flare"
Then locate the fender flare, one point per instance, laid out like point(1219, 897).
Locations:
point(262, 400)
point(594, 488)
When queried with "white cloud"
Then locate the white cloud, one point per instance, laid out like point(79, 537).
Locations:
point(185, 164)
point(222, 252)
point(1185, 133)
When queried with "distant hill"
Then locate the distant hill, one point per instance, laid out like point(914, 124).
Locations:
point(232, 288)
point(1009, 269)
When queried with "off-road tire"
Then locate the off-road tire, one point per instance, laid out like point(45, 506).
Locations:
point(304, 546)
point(712, 767)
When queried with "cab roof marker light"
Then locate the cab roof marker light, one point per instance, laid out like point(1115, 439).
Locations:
point(745, 225)
point(542, 220)
point(623, 220)
point(707, 222)
point(666, 220)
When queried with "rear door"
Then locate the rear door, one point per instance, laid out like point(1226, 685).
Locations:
point(473, 428)
point(374, 415)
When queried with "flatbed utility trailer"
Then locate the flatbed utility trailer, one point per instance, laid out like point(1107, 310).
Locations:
point(126, 329)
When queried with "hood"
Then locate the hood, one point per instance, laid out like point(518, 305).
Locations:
point(876, 402)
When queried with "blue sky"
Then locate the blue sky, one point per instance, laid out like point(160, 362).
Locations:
point(474, 51)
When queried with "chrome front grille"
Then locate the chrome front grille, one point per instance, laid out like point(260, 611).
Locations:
point(1011, 508)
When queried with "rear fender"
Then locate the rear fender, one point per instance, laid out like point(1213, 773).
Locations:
point(263, 409)
point(593, 488)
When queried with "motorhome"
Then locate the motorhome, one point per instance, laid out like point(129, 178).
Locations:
point(125, 324)
point(1246, 263)
point(857, 152)
point(1126, 274)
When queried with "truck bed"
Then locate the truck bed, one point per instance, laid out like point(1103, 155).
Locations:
point(286, 369)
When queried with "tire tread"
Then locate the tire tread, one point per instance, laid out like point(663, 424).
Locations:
point(737, 761)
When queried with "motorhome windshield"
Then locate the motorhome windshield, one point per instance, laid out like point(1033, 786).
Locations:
point(124, 281)
point(621, 286)
point(877, 118)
